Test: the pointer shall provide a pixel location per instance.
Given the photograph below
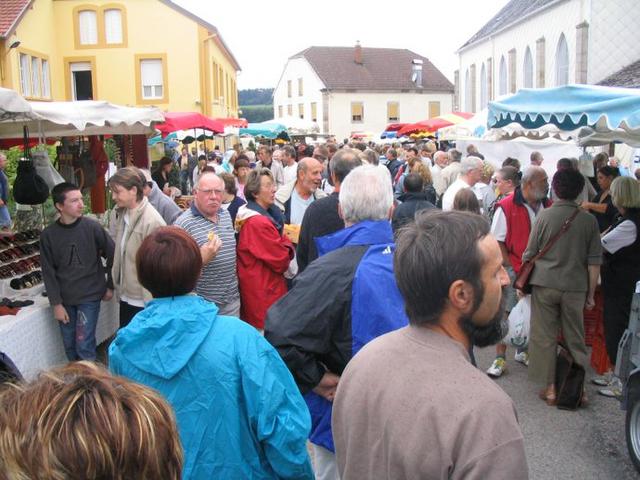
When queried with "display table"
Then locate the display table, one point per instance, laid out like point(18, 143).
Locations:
point(32, 338)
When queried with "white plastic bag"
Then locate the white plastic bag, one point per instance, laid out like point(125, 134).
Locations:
point(519, 324)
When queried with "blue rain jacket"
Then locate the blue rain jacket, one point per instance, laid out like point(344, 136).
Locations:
point(239, 412)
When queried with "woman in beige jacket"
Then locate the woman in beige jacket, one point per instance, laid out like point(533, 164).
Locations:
point(135, 218)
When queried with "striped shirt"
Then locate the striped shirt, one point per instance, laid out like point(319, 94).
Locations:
point(218, 282)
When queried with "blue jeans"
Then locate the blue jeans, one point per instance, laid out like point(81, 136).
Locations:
point(79, 335)
point(185, 182)
point(5, 218)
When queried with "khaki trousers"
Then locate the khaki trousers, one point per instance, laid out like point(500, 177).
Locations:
point(553, 311)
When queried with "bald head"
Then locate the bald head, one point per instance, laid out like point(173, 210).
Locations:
point(309, 175)
point(441, 158)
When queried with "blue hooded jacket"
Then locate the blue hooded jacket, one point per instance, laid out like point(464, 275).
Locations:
point(239, 412)
point(342, 300)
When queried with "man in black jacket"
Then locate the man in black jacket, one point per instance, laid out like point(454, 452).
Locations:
point(321, 217)
point(413, 200)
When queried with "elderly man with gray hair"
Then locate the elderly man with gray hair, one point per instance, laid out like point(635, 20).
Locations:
point(470, 174)
point(294, 198)
point(343, 300)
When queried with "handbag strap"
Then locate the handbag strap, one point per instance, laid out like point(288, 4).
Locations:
point(556, 237)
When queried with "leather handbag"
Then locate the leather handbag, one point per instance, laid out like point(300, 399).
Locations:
point(569, 381)
point(526, 269)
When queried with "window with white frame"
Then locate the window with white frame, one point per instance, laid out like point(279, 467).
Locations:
point(527, 70)
point(88, 23)
point(113, 26)
point(562, 62)
point(34, 76)
point(484, 94)
point(502, 80)
point(151, 78)
point(25, 77)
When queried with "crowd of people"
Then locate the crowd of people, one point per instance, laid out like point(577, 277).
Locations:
point(322, 294)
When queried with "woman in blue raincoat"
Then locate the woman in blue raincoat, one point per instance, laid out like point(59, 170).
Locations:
point(240, 414)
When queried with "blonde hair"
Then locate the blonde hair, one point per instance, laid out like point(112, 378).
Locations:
point(625, 192)
point(80, 422)
point(417, 166)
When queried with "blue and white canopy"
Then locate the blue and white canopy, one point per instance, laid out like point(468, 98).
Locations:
point(603, 113)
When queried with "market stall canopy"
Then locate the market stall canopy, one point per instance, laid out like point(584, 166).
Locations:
point(394, 127)
point(87, 117)
point(476, 126)
point(268, 130)
point(13, 106)
point(297, 125)
point(429, 127)
point(596, 114)
point(233, 122)
point(174, 121)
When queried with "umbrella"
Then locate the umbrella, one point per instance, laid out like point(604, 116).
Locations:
point(594, 114)
point(434, 124)
point(394, 127)
point(174, 121)
point(233, 122)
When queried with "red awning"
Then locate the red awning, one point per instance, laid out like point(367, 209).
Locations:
point(394, 127)
point(434, 124)
point(233, 122)
point(174, 121)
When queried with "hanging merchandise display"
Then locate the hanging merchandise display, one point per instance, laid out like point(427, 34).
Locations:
point(29, 188)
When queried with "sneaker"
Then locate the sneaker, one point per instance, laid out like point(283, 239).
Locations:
point(497, 368)
point(522, 357)
point(614, 390)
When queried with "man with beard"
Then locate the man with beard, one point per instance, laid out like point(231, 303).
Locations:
point(410, 404)
point(512, 222)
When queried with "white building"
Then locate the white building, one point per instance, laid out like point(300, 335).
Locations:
point(355, 89)
point(546, 43)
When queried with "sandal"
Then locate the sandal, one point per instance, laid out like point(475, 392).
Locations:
point(548, 395)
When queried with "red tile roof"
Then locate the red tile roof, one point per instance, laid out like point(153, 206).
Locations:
point(10, 12)
point(381, 69)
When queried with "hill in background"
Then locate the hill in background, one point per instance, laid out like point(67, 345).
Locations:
point(256, 104)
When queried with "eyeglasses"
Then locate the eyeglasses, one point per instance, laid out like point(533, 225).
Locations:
point(210, 192)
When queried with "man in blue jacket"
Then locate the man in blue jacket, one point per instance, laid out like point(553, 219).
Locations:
point(342, 300)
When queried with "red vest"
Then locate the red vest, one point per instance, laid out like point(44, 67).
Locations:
point(518, 226)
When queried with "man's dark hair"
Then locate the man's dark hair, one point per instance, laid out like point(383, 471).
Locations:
point(511, 162)
point(567, 183)
point(202, 157)
point(343, 162)
point(59, 192)
point(426, 261)
point(392, 153)
point(413, 183)
point(455, 155)
point(414, 150)
point(360, 146)
point(565, 164)
point(289, 151)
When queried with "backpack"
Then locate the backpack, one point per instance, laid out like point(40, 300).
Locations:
point(29, 188)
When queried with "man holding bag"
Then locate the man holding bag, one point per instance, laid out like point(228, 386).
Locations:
point(512, 222)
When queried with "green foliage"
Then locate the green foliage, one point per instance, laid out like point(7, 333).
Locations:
point(257, 113)
point(255, 96)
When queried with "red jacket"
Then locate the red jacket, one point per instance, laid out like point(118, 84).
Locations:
point(518, 226)
point(263, 256)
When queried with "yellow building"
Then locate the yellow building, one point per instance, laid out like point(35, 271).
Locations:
point(128, 52)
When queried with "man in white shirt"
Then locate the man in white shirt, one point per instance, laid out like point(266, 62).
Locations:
point(289, 163)
point(294, 197)
point(470, 174)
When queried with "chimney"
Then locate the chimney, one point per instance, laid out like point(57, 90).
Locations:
point(416, 72)
point(358, 53)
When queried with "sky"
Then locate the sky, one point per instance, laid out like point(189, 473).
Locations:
point(262, 38)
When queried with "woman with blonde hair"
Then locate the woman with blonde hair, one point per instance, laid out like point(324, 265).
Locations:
point(80, 422)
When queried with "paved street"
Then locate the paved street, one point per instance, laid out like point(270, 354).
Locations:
point(586, 444)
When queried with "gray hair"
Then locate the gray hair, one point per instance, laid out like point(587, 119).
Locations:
point(366, 194)
point(204, 174)
point(439, 154)
point(625, 192)
point(343, 161)
point(470, 163)
point(370, 156)
point(531, 173)
point(454, 155)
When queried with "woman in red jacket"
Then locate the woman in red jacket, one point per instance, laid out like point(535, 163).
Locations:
point(263, 252)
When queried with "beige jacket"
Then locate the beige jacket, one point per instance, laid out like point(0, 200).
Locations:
point(142, 221)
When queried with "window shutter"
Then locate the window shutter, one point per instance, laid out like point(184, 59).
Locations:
point(151, 78)
point(88, 27)
point(113, 26)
